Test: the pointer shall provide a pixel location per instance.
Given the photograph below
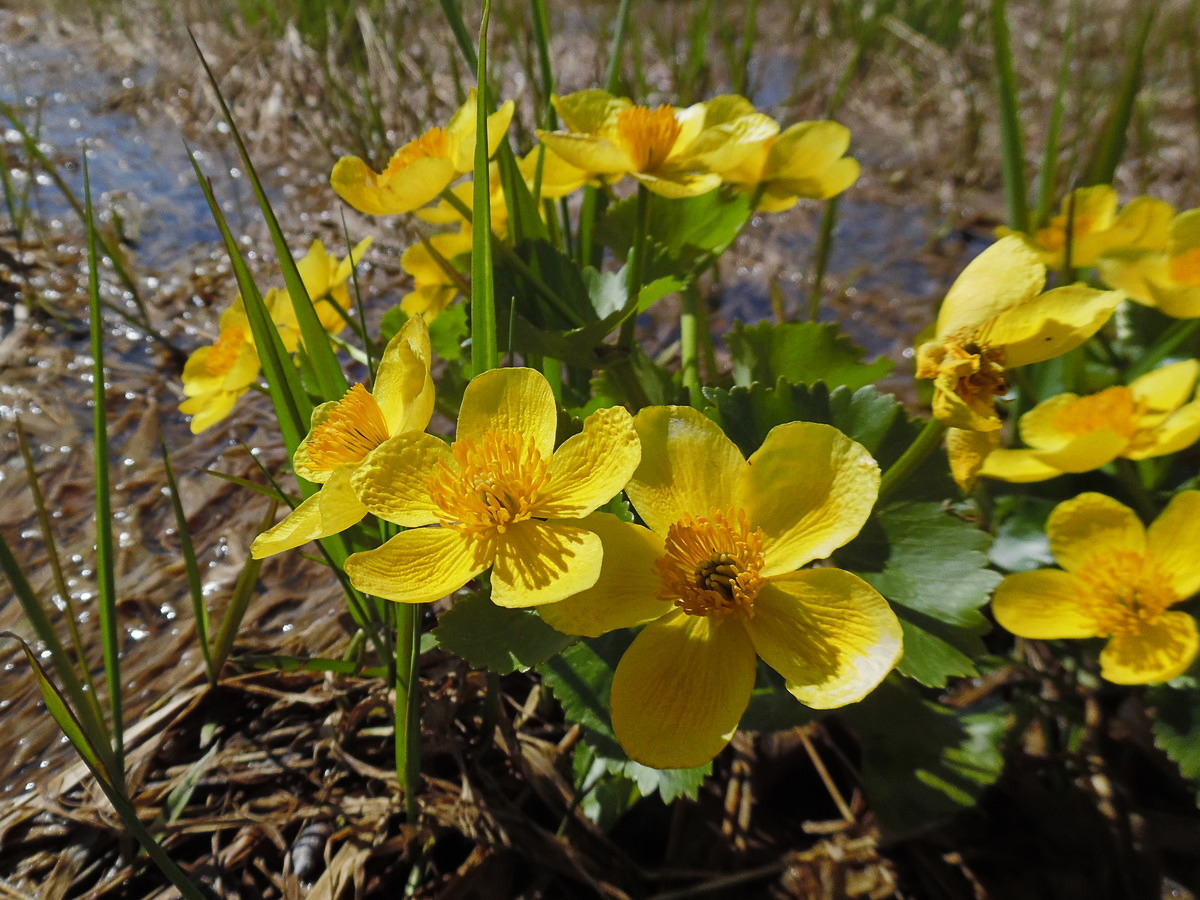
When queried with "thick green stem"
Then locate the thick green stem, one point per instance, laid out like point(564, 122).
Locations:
point(821, 257)
point(689, 344)
point(408, 706)
point(918, 451)
point(635, 267)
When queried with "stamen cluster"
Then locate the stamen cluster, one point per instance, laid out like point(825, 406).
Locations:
point(712, 564)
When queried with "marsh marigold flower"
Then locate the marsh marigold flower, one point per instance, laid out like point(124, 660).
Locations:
point(422, 168)
point(715, 577)
point(995, 318)
point(1068, 433)
point(806, 161)
point(501, 496)
point(1118, 580)
point(673, 152)
point(1166, 277)
point(215, 376)
point(325, 279)
point(433, 287)
point(345, 433)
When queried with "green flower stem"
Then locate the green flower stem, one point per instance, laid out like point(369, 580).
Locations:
point(1131, 480)
point(689, 353)
point(926, 442)
point(1179, 332)
point(635, 267)
point(408, 706)
point(821, 257)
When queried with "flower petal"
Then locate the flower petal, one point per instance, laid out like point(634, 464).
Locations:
point(1017, 466)
point(1039, 427)
point(392, 481)
point(1050, 325)
point(968, 452)
point(331, 510)
point(420, 565)
point(681, 688)
point(1007, 274)
point(516, 401)
point(1087, 451)
point(396, 192)
point(403, 386)
point(1044, 605)
point(544, 562)
point(810, 489)
point(1091, 525)
point(1168, 387)
point(593, 466)
point(828, 633)
point(1157, 652)
point(592, 154)
point(1172, 539)
point(1177, 433)
point(625, 594)
point(688, 467)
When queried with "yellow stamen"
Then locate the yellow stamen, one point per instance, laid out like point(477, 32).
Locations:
point(975, 371)
point(1184, 268)
point(711, 564)
point(498, 482)
point(432, 143)
point(648, 135)
point(1125, 591)
point(353, 429)
point(224, 353)
point(1115, 409)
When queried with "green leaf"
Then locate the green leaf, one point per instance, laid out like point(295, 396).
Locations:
point(923, 762)
point(801, 352)
point(930, 563)
point(581, 679)
point(1019, 524)
point(1176, 726)
point(448, 331)
point(500, 640)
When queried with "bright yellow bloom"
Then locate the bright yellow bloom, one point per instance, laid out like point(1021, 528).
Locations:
point(559, 177)
point(1120, 581)
point(807, 160)
point(1167, 276)
point(1068, 433)
point(214, 377)
point(995, 318)
point(325, 279)
point(433, 289)
point(501, 496)
point(715, 577)
point(1097, 228)
point(673, 152)
point(422, 168)
point(345, 433)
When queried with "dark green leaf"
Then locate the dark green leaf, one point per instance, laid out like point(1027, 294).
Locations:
point(1019, 525)
point(801, 352)
point(448, 331)
point(500, 640)
point(1177, 726)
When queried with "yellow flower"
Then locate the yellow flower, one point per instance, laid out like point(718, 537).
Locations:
point(806, 160)
point(1068, 433)
point(673, 152)
point(422, 168)
point(214, 377)
point(715, 577)
point(1120, 581)
point(995, 318)
point(325, 278)
point(501, 497)
point(433, 289)
point(1169, 278)
point(559, 177)
point(1097, 228)
point(345, 433)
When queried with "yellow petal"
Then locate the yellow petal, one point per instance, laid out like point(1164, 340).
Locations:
point(805, 150)
point(314, 268)
point(1135, 273)
point(1173, 539)
point(331, 510)
point(828, 633)
point(300, 461)
point(207, 410)
point(1017, 466)
point(1044, 605)
point(1040, 426)
point(681, 688)
point(590, 468)
point(688, 467)
point(419, 566)
point(544, 562)
point(388, 194)
point(810, 489)
point(1157, 652)
point(1168, 387)
point(832, 181)
point(559, 177)
point(1092, 525)
point(1177, 433)
point(393, 480)
point(968, 452)
point(403, 386)
point(1050, 325)
point(592, 154)
point(678, 183)
point(515, 401)
point(1005, 275)
point(497, 125)
point(353, 258)
point(428, 302)
point(589, 112)
point(1086, 452)
point(625, 592)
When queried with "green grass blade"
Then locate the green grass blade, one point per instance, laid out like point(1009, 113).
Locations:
point(330, 379)
point(359, 321)
point(309, 664)
point(612, 76)
point(454, 17)
point(1048, 176)
point(195, 590)
point(484, 352)
point(106, 584)
point(293, 409)
point(111, 781)
point(1109, 149)
point(1012, 152)
point(235, 611)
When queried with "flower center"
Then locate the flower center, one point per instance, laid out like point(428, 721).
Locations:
point(1184, 268)
point(1054, 235)
point(352, 429)
point(976, 370)
point(1125, 591)
point(1114, 408)
point(648, 135)
point(711, 564)
point(499, 481)
point(224, 353)
point(432, 143)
